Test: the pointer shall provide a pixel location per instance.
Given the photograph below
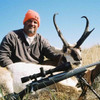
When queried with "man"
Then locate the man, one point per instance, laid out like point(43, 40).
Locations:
point(26, 45)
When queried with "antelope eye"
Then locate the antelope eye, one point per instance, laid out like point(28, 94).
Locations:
point(74, 55)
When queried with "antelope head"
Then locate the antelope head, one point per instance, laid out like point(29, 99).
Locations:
point(73, 53)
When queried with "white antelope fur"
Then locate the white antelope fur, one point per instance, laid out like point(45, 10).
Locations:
point(11, 78)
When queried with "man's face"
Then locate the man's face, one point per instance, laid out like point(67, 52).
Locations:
point(30, 27)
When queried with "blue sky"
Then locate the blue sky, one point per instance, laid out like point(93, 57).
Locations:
point(69, 20)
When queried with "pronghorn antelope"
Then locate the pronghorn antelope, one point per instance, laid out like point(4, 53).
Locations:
point(10, 78)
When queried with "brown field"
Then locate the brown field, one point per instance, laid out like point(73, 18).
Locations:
point(58, 92)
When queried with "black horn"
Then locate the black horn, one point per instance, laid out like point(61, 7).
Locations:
point(85, 34)
point(65, 43)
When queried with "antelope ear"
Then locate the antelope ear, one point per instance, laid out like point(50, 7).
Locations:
point(64, 49)
point(68, 51)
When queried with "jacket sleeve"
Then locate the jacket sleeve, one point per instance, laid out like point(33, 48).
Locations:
point(5, 51)
point(50, 51)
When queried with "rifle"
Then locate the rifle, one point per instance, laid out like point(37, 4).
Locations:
point(47, 81)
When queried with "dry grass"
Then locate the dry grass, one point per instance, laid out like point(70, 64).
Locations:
point(58, 92)
point(91, 55)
